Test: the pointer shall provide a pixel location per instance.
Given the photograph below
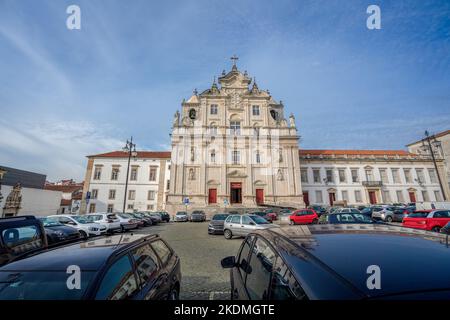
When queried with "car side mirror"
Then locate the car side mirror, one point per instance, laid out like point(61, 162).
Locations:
point(228, 262)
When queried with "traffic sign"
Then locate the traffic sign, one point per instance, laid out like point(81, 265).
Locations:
point(186, 201)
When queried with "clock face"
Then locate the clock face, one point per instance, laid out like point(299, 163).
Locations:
point(274, 114)
point(192, 114)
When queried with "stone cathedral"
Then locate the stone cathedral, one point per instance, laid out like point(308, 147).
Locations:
point(233, 147)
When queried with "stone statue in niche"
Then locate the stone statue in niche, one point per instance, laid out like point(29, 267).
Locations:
point(280, 176)
point(191, 174)
point(292, 121)
point(176, 119)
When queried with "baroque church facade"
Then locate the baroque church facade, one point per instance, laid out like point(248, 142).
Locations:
point(232, 145)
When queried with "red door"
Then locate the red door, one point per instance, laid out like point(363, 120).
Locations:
point(412, 196)
point(306, 198)
point(212, 196)
point(372, 197)
point(259, 196)
point(332, 197)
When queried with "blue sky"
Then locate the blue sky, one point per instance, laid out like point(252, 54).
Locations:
point(66, 94)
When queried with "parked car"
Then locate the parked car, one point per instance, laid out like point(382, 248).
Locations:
point(285, 212)
point(241, 225)
point(313, 263)
point(58, 233)
point(133, 267)
point(340, 218)
point(83, 224)
point(385, 214)
point(431, 221)
point(128, 222)
point(20, 236)
point(368, 211)
point(164, 216)
point(303, 216)
point(156, 217)
point(109, 220)
point(198, 216)
point(181, 216)
point(216, 224)
point(146, 221)
point(320, 210)
point(269, 216)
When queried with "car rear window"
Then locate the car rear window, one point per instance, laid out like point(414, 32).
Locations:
point(111, 216)
point(418, 215)
point(22, 239)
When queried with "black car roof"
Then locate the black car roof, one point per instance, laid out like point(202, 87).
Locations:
point(410, 260)
point(88, 255)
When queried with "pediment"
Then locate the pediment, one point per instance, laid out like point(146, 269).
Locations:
point(237, 174)
point(235, 79)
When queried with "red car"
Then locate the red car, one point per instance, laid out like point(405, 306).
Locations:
point(430, 220)
point(303, 216)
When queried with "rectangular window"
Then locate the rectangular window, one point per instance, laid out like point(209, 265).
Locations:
point(255, 110)
point(358, 196)
point(304, 175)
point(94, 194)
point(168, 185)
point(433, 176)
point(258, 157)
point(110, 208)
point(400, 197)
point(213, 109)
point(131, 194)
point(235, 157)
point(329, 175)
point(383, 176)
point(97, 173)
point(342, 176)
point(344, 195)
point(319, 198)
point(112, 194)
point(235, 127)
point(130, 206)
point(408, 178)
point(92, 208)
point(396, 175)
point(425, 196)
point(369, 175)
point(114, 174)
point(420, 176)
point(213, 156)
point(437, 195)
point(355, 175)
point(150, 207)
point(316, 175)
point(133, 174)
point(386, 196)
point(152, 175)
point(151, 195)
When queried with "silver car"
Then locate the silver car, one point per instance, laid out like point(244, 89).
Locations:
point(386, 214)
point(181, 216)
point(241, 225)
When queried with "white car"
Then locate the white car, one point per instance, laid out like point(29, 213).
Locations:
point(85, 226)
point(109, 220)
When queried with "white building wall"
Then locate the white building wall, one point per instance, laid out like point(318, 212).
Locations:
point(349, 186)
point(37, 202)
point(141, 186)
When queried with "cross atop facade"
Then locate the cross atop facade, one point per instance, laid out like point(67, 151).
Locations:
point(235, 59)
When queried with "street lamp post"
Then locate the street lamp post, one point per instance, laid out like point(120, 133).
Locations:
point(429, 139)
point(130, 148)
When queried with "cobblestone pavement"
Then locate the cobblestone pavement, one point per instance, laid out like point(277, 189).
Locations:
point(202, 276)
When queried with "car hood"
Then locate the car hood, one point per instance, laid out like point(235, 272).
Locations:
point(217, 222)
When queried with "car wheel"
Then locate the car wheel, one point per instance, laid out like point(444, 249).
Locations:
point(389, 219)
point(315, 221)
point(436, 229)
point(228, 234)
point(291, 222)
point(84, 235)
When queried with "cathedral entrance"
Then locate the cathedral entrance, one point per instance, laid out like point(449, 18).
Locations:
point(235, 192)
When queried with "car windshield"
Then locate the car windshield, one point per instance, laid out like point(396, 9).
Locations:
point(42, 285)
point(258, 219)
point(50, 222)
point(220, 217)
point(418, 215)
point(181, 213)
point(353, 218)
point(125, 215)
point(366, 210)
point(82, 220)
point(94, 217)
point(261, 214)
